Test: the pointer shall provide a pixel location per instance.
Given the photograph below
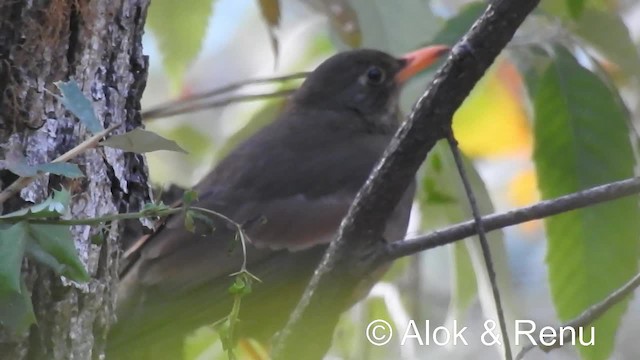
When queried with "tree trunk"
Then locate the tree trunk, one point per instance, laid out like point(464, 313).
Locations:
point(98, 44)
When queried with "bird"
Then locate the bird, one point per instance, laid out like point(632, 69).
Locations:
point(288, 186)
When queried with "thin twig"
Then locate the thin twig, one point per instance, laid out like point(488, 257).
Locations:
point(198, 106)
point(482, 237)
point(542, 209)
point(161, 111)
point(23, 181)
point(588, 316)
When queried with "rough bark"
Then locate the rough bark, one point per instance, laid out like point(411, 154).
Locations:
point(98, 44)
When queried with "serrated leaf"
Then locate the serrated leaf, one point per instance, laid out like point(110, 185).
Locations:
point(141, 141)
point(180, 30)
point(56, 205)
point(582, 140)
point(57, 241)
point(16, 311)
point(12, 244)
point(607, 33)
point(75, 101)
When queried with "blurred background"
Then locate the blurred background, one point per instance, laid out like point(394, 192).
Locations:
point(201, 45)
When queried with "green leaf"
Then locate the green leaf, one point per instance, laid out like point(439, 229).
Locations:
point(190, 196)
point(56, 240)
point(180, 30)
point(20, 167)
point(12, 245)
point(575, 7)
point(607, 33)
point(141, 141)
point(16, 310)
point(196, 142)
point(189, 222)
point(571, 9)
point(79, 105)
point(582, 140)
point(56, 205)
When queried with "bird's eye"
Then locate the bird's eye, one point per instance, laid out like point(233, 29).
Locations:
point(375, 75)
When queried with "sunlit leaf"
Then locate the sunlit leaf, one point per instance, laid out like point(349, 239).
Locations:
point(582, 140)
point(75, 101)
point(180, 29)
point(484, 129)
point(141, 141)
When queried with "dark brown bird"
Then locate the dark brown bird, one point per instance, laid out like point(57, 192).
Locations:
point(290, 186)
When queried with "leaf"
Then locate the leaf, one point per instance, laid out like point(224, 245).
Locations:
point(56, 240)
point(61, 168)
point(17, 164)
point(571, 9)
point(607, 33)
point(190, 196)
point(16, 310)
point(575, 7)
point(582, 140)
point(141, 141)
point(479, 119)
point(12, 245)
point(189, 222)
point(74, 100)
point(56, 205)
point(270, 10)
point(180, 30)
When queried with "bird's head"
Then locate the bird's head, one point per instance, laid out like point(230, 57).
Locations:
point(364, 81)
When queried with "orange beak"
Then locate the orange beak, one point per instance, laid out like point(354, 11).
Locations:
point(419, 60)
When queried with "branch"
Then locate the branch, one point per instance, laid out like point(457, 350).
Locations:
point(22, 182)
point(193, 106)
point(484, 244)
point(359, 248)
point(540, 210)
point(588, 316)
point(191, 103)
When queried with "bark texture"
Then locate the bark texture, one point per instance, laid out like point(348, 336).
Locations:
point(98, 44)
